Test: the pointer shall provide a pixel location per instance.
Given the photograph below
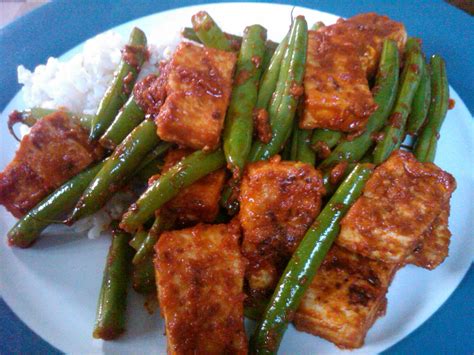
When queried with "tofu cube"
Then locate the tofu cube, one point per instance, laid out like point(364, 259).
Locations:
point(56, 149)
point(433, 247)
point(199, 275)
point(278, 202)
point(340, 59)
point(345, 298)
point(199, 88)
point(337, 94)
point(399, 202)
point(198, 202)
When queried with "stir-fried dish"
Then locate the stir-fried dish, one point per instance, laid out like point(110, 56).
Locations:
point(271, 180)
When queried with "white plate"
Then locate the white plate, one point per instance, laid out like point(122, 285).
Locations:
point(53, 287)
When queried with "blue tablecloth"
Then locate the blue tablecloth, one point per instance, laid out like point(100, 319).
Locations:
point(444, 28)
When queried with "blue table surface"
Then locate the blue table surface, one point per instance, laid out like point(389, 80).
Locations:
point(444, 29)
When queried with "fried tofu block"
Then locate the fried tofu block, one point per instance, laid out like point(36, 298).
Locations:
point(337, 94)
point(55, 150)
point(198, 202)
point(433, 247)
point(199, 88)
point(199, 274)
point(399, 202)
point(345, 298)
point(340, 59)
point(368, 32)
point(278, 202)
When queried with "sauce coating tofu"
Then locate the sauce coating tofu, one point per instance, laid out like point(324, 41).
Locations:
point(278, 202)
point(345, 298)
point(55, 150)
point(339, 61)
point(399, 202)
point(433, 247)
point(368, 32)
point(198, 202)
point(199, 88)
point(200, 274)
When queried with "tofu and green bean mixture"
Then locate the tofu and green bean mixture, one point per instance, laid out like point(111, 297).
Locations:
point(268, 180)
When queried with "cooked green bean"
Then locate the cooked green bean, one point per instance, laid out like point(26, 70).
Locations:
point(288, 91)
point(138, 239)
point(425, 145)
point(118, 92)
point(269, 78)
point(209, 32)
point(160, 149)
point(421, 103)
point(128, 118)
point(32, 115)
point(294, 141)
point(317, 25)
point(183, 174)
point(323, 140)
point(162, 222)
point(110, 317)
point(239, 121)
point(143, 276)
point(121, 165)
point(385, 92)
point(305, 153)
point(29, 227)
point(190, 34)
point(393, 133)
point(305, 262)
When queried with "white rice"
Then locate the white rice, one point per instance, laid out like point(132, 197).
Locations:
point(79, 84)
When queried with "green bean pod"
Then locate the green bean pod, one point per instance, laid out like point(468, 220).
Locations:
point(129, 116)
point(317, 25)
point(158, 152)
point(30, 116)
point(122, 84)
point(305, 261)
point(385, 92)
point(189, 33)
point(138, 239)
point(183, 174)
point(289, 89)
point(110, 317)
point(143, 276)
point(162, 222)
point(421, 103)
point(209, 32)
point(411, 76)
point(121, 165)
point(269, 78)
point(28, 228)
point(239, 122)
point(304, 151)
point(425, 145)
point(323, 140)
point(294, 141)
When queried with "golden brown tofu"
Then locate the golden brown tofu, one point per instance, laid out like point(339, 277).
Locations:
point(345, 298)
point(368, 32)
point(199, 88)
point(198, 202)
point(337, 94)
point(340, 59)
point(433, 247)
point(399, 202)
point(199, 275)
point(55, 150)
point(278, 202)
